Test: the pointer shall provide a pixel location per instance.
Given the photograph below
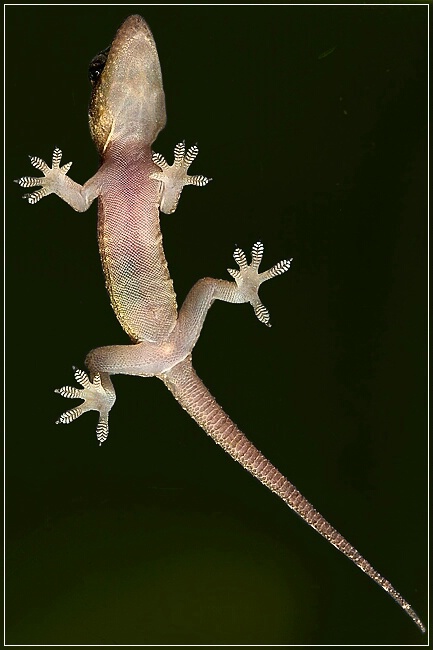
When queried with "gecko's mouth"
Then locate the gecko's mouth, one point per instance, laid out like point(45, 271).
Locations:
point(127, 98)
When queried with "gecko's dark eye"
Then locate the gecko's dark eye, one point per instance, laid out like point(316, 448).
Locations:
point(97, 65)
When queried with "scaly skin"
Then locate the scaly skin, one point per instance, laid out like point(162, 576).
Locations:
point(126, 113)
point(130, 244)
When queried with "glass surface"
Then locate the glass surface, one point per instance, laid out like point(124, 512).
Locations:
point(312, 121)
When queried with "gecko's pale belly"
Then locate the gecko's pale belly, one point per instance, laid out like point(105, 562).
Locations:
point(130, 245)
point(127, 111)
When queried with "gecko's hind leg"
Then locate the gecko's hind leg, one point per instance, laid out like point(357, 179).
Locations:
point(97, 395)
point(248, 278)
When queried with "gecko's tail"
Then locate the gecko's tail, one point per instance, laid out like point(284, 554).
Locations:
point(194, 397)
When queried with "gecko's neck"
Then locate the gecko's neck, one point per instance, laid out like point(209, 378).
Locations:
point(129, 150)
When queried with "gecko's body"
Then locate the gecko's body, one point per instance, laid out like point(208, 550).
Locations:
point(126, 113)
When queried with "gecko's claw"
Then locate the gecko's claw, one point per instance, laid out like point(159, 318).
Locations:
point(95, 398)
point(34, 197)
point(261, 312)
point(248, 278)
point(174, 177)
point(102, 429)
point(50, 179)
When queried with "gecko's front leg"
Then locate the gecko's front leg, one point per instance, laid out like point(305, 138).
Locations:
point(55, 181)
point(174, 177)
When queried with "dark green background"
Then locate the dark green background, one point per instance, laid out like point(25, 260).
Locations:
point(158, 536)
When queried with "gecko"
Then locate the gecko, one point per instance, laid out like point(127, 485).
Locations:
point(133, 185)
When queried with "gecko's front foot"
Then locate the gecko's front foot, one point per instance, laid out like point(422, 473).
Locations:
point(174, 177)
point(96, 398)
point(52, 180)
point(249, 279)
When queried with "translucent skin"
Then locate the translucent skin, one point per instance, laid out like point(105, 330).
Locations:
point(128, 99)
point(130, 243)
point(127, 112)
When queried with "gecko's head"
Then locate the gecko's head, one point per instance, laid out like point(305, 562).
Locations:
point(127, 98)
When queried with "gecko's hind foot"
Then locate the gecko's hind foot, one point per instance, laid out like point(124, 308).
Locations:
point(51, 179)
point(174, 177)
point(249, 279)
point(95, 398)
